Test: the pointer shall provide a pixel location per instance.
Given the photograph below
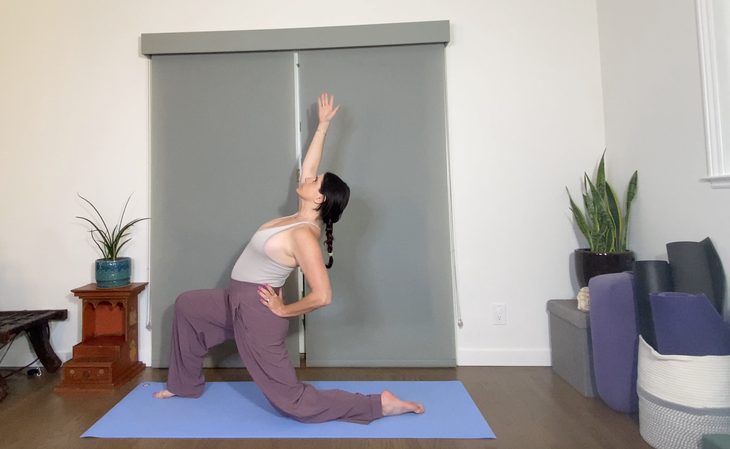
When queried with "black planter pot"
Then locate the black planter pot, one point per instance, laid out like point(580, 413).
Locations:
point(588, 264)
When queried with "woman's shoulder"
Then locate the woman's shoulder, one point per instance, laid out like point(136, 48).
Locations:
point(293, 222)
point(304, 236)
point(307, 228)
point(277, 222)
point(294, 234)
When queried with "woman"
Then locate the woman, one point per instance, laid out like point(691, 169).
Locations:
point(254, 314)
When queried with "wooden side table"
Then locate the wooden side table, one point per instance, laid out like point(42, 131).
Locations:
point(35, 325)
point(107, 356)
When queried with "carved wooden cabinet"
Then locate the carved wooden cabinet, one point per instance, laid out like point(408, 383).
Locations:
point(107, 356)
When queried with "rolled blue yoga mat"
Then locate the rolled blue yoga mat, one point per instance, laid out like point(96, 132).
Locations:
point(240, 410)
point(696, 268)
point(688, 324)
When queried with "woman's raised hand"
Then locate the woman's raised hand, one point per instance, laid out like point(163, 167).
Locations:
point(326, 108)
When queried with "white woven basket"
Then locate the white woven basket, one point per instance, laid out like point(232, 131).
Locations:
point(682, 398)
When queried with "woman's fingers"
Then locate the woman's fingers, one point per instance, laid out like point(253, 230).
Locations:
point(264, 294)
point(267, 292)
point(326, 100)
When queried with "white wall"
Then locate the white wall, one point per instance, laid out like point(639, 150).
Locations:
point(654, 123)
point(525, 120)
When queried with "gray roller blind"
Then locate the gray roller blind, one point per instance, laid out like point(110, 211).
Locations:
point(392, 281)
point(223, 163)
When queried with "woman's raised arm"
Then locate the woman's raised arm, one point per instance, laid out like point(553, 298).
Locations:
point(310, 164)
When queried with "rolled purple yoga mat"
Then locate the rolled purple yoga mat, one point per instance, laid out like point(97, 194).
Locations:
point(615, 338)
point(687, 324)
point(650, 276)
point(696, 268)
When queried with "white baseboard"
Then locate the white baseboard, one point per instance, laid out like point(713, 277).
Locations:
point(503, 357)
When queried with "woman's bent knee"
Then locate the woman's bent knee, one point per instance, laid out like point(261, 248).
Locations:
point(187, 302)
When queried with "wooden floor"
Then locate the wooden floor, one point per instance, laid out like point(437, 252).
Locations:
point(526, 407)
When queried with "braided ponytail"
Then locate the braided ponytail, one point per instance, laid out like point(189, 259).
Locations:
point(336, 194)
point(328, 242)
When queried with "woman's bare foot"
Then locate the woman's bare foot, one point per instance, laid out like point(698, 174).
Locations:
point(164, 394)
point(394, 406)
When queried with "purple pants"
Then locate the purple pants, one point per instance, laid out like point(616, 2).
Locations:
point(205, 318)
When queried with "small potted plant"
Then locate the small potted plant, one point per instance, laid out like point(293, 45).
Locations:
point(604, 226)
point(112, 271)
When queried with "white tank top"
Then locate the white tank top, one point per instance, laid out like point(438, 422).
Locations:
point(256, 267)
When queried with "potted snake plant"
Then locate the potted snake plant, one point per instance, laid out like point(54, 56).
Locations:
point(112, 271)
point(604, 226)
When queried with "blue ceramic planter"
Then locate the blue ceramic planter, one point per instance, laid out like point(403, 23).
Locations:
point(113, 273)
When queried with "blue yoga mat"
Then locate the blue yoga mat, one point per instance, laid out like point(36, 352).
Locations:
point(240, 410)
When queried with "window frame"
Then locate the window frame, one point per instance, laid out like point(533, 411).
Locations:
point(716, 150)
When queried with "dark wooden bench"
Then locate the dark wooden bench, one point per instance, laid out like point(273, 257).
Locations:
point(35, 325)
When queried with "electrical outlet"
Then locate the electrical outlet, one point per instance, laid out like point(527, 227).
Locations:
point(499, 313)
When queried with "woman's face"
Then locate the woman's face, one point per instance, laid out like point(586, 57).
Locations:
point(309, 190)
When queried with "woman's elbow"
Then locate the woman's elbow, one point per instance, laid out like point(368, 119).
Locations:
point(325, 298)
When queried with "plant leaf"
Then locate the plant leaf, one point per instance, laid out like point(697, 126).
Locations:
point(122, 244)
point(601, 177)
point(580, 220)
point(102, 236)
point(109, 242)
point(630, 195)
point(98, 214)
point(130, 224)
point(591, 210)
point(124, 209)
point(99, 245)
point(602, 224)
point(614, 212)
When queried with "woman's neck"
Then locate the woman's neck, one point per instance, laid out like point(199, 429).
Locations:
point(308, 213)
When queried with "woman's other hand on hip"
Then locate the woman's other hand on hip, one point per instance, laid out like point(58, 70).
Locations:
point(270, 299)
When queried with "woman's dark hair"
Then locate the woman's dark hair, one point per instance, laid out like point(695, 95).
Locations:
point(336, 194)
